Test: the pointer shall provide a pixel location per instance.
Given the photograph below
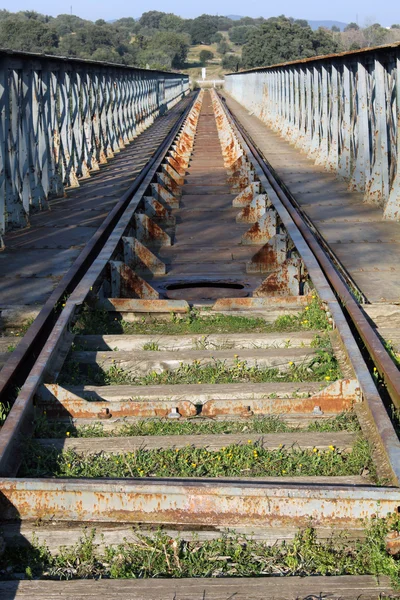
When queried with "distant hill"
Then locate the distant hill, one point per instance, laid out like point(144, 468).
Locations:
point(234, 17)
point(327, 24)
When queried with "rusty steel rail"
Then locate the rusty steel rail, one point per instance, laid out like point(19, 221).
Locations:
point(56, 333)
point(300, 235)
point(197, 502)
point(381, 358)
point(19, 364)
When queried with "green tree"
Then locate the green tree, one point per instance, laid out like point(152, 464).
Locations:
point(205, 56)
point(223, 47)
point(171, 22)
point(217, 38)
point(127, 22)
point(27, 35)
point(165, 49)
point(280, 40)
point(352, 25)
point(231, 62)
point(151, 19)
point(238, 35)
point(224, 23)
point(203, 28)
point(64, 24)
point(249, 21)
point(375, 35)
point(4, 14)
point(301, 22)
point(98, 42)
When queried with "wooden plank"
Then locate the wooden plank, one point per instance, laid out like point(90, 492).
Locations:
point(194, 393)
point(144, 306)
point(345, 587)
point(113, 425)
point(193, 341)
point(143, 362)
point(56, 534)
point(343, 441)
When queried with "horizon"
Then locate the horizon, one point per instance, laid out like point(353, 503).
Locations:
point(93, 11)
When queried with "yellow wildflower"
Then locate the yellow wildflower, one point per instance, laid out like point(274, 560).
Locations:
point(291, 363)
point(327, 378)
point(331, 448)
point(194, 465)
point(68, 434)
point(307, 308)
point(69, 465)
point(315, 450)
point(236, 356)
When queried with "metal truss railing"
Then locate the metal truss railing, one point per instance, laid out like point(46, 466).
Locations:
point(61, 118)
point(342, 110)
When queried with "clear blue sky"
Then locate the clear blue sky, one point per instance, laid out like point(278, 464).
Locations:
point(387, 12)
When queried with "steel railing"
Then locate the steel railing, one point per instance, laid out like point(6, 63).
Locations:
point(343, 110)
point(61, 118)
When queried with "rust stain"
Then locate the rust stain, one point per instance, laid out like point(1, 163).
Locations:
point(265, 259)
point(133, 286)
point(83, 409)
point(329, 404)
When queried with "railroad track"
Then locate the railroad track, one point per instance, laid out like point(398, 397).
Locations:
point(201, 407)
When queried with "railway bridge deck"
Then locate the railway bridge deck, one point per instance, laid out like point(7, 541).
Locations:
point(202, 388)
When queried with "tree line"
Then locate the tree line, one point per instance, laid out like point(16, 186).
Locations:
point(162, 40)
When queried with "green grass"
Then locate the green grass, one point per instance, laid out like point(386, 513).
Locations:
point(270, 424)
point(152, 347)
point(100, 322)
point(230, 555)
point(323, 367)
point(249, 460)
point(4, 410)
point(391, 350)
